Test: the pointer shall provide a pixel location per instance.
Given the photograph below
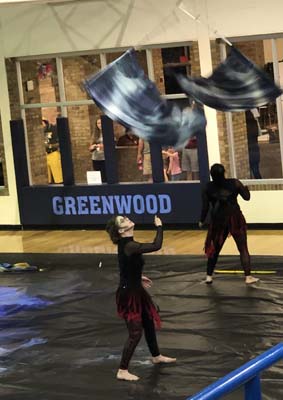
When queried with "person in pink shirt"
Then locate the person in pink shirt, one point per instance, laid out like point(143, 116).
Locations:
point(174, 169)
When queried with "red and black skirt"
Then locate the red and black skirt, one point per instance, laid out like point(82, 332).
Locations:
point(234, 224)
point(133, 302)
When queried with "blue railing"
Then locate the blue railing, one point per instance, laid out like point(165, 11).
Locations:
point(247, 375)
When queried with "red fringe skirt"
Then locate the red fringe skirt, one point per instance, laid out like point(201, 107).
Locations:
point(132, 302)
point(235, 224)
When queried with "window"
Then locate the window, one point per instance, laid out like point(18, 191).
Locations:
point(54, 87)
point(84, 132)
point(185, 60)
point(254, 135)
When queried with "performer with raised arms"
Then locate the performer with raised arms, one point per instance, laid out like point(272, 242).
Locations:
point(134, 304)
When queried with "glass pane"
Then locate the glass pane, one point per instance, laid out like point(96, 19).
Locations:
point(40, 83)
point(132, 166)
point(256, 139)
point(87, 146)
point(127, 152)
point(86, 140)
point(43, 151)
point(182, 165)
point(75, 70)
point(256, 136)
point(183, 59)
point(3, 172)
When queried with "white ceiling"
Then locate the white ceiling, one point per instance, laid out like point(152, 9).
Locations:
point(15, 2)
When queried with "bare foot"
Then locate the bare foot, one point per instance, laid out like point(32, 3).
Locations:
point(250, 280)
point(123, 374)
point(163, 359)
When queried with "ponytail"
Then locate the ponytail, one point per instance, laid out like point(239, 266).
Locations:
point(113, 230)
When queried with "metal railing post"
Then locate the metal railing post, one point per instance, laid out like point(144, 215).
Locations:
point(253, 389)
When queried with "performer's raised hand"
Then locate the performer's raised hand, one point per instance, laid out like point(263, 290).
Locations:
point(157, 221)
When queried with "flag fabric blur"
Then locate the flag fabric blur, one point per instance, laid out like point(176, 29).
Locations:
point(237, 84)
point(124, 93)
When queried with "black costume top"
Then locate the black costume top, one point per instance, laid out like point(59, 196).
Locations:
point(223, 199)
point(226, 216)
point(131, 260)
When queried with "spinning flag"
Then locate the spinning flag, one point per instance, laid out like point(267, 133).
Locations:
point(124, 93)
point(237, 84)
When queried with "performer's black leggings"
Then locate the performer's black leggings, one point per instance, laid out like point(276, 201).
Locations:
point(135, 329)
point(241, 242)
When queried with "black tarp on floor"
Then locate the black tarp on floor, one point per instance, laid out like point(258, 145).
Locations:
point(60, 337)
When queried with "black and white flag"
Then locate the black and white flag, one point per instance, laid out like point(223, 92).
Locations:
point(237, 84)
point(124, 93)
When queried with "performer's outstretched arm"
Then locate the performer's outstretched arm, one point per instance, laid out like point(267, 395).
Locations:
point(243, 190)
point(140, 248)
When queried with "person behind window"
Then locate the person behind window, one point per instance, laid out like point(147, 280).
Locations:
point(165, 159)
point(220, 196)
point(190, 159)
point(128, 139)
point(252, 136)
point(97, 150)
point(53, 156)
point(174, 170)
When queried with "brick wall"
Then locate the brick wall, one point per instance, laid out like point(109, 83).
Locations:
point(158, 70)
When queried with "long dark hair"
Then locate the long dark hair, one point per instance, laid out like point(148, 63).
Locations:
point(113, 230)
point(217, 172)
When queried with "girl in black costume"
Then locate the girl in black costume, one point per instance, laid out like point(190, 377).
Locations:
point(226, 218)
point(134, 304)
